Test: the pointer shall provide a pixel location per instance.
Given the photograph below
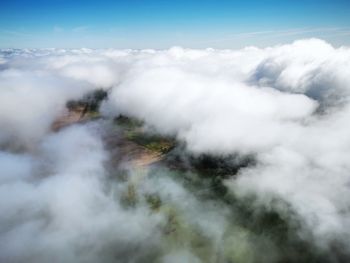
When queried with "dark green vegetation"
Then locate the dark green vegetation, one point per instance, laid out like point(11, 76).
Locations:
point(249, 233)
point(89, 104)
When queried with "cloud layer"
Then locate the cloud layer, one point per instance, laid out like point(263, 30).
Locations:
point(288, 106)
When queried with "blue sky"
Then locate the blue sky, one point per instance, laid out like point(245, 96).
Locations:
point(161, 24)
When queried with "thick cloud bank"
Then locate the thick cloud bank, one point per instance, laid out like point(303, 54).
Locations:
point(288, 106)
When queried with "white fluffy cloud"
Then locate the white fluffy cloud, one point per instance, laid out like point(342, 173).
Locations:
point(287, 105)
point(57, 203)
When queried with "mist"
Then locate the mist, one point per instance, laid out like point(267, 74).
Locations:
point(273, 123)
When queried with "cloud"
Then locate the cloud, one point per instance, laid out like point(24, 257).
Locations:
point(80, 29)
point(67, 210)
point(58, 29)
point(301, 32)
point(30, 101)
point(15, 33)
point(288, 106)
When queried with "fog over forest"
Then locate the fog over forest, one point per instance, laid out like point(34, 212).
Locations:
point(177, 155)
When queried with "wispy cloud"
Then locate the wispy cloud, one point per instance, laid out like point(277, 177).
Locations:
point(281, 33)
point(343, 32)
point(58, 29)
point(80, 29)
point(14, 33)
